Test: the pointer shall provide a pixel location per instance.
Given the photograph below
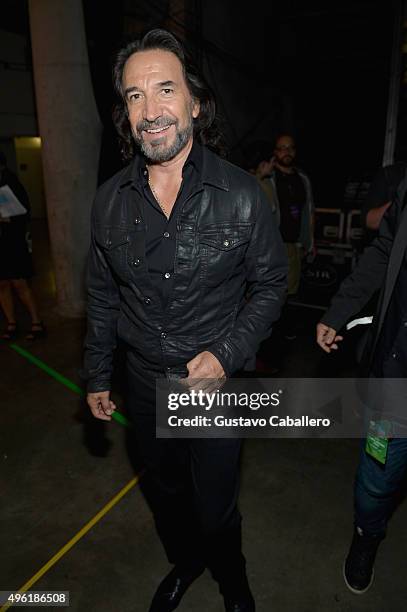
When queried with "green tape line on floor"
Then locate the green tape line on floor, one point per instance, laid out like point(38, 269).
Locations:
point(117, 416)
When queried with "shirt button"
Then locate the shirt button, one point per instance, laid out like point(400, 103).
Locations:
point(163, 335)
point(145, 172)
point(166, 235)
point(226, 242)
point(405, 323)
point(137, 220)
point(137, 262)
point(394, 355)
point(147, 300)
point(167, 275)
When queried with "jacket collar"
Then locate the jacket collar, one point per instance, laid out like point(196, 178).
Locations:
point(212, 171)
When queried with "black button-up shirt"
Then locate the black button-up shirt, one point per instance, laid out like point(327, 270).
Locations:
point(391, 353)
point(160, 231)
point(292, 198)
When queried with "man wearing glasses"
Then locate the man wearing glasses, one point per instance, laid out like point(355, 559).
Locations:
point(294, 206)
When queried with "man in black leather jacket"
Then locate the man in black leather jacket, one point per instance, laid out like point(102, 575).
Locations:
point(187, 267)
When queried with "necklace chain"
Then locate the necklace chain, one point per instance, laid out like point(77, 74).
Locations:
point(153, 191)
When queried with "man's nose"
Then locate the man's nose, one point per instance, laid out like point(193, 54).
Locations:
point(151, 110)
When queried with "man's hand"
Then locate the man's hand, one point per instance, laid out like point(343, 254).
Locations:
point(327, 338)
point(101, 405)
point(204, 373)
point(205, 365)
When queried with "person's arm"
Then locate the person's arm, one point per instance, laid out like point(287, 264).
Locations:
point(102, 313)
point(367, 278)
point(266, 275)
point(377, 197)
point(375, 215)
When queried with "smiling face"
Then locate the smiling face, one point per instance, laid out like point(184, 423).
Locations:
point(160, 107)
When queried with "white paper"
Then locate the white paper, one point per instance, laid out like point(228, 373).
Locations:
point(10, 206)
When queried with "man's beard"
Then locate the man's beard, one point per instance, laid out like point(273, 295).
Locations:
point(154, 151)
point(287, 161)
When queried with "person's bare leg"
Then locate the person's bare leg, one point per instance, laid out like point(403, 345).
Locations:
point(6, 301)
point(7, 305)
point(27, 297)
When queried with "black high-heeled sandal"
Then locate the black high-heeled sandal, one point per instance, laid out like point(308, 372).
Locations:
point(10, 332)
point(38, 330)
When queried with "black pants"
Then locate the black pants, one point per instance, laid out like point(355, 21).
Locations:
point(192, 487)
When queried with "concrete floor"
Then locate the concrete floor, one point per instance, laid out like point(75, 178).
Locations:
point(58, 469)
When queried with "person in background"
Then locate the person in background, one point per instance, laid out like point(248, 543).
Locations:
point(259, 162)
point(15, 261)
point(293, 205)
point(381, 270)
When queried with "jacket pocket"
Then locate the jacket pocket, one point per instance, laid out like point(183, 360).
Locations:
point(114, 244)
point(222, 249)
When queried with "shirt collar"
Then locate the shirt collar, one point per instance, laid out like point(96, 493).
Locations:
point(194, 159)
point(208, 165)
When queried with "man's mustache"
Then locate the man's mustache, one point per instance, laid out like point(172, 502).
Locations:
point(154, 125)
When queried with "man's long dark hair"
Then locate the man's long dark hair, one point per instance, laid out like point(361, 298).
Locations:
point(206, 125)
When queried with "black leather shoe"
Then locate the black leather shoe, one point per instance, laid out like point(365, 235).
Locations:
point(240, 605)
point(173, 587)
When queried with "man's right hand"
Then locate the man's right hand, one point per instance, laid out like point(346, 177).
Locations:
point(327, 338)
point(101, 405)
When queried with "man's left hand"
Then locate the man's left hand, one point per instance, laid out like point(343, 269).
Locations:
point(205, 373)
point(205, 365)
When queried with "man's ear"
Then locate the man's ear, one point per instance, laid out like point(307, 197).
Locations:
point(196, 107)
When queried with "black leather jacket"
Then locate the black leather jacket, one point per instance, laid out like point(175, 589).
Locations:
point(229, 275)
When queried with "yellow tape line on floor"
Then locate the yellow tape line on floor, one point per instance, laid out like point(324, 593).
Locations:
point(75, 539)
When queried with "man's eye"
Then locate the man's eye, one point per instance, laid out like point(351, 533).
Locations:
point(167, 90)
point(134, 97)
